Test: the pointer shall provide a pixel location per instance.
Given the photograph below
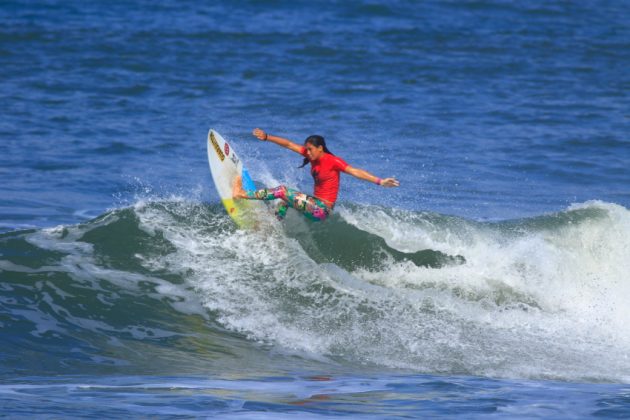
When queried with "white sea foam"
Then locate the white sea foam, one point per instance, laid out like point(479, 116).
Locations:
point(533, 299)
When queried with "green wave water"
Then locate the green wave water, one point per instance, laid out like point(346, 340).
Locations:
point(373, 287)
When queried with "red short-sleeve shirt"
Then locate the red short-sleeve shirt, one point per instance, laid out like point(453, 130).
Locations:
point(326, 172)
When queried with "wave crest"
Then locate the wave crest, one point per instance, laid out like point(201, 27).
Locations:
point(538, 297)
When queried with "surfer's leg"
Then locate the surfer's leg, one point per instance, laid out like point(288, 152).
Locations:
point(263, 194)
point(272, 194)
point(312, 208)
point(268, 193)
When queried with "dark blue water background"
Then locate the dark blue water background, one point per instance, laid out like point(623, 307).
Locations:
point(501, 111)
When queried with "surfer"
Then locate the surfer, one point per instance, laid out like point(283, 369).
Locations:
point(325, 169)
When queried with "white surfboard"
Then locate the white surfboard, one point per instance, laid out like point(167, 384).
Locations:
point(225, 166)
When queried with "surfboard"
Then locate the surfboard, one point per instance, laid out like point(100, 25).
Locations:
point(225, 166)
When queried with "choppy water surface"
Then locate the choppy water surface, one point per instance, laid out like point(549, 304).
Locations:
point(494, 281)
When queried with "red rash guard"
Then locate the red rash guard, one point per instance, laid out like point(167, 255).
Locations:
point(325, 171)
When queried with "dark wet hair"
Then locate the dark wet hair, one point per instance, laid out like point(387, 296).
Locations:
point(316, 141)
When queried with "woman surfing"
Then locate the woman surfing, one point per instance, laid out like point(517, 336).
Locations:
point(325, 169)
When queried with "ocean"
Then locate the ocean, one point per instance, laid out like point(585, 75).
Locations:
point(494, 282)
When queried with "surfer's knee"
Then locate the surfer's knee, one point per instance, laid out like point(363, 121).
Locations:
point(320, 214)
point(280, 192)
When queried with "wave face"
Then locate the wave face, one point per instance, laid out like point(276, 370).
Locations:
point(542, 297)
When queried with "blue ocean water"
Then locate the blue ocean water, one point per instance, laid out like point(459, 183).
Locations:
point(493, 282)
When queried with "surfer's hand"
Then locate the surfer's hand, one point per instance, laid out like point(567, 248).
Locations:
point(259, 134)
point(390, 182)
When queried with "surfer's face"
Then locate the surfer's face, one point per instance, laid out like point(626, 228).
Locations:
point(313, 152)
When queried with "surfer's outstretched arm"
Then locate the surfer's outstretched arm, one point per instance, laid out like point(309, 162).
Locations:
point(264, 136)
point(366, 176)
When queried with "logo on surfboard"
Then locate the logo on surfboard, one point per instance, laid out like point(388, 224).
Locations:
point(216, 147)
point(226, 148)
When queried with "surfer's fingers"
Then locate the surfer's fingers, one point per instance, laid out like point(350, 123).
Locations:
point(259, 133)
point(390, 182)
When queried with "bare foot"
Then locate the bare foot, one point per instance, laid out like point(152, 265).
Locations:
point(237, 188)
